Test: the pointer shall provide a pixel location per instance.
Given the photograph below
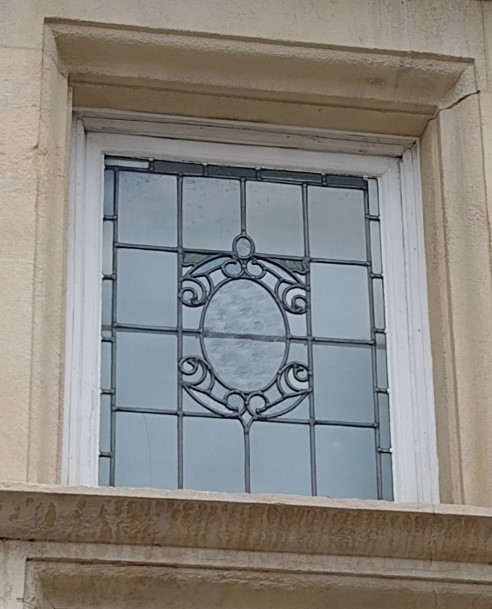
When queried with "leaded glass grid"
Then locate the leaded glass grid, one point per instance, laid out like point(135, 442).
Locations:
point(243, 331)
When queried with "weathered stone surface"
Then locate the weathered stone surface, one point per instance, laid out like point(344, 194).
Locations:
point(391, 69)
point(87, 547)
point(269, 523)
point(395, 67)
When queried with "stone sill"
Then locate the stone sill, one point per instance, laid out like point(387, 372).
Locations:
point(259, 523)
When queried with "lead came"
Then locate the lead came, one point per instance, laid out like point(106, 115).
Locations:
point(243, 327)
point(244, 365)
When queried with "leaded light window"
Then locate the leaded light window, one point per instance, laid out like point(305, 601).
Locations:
point(243, 331)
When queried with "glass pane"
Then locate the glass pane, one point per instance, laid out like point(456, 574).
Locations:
point(237, 172)
point(146, 370)
point(372, 186)
point(382, 371)
point(211, 213)
point(340, 301)
point(107, 299)
point(191, 317)
point(243, 330)
point(346, 462)
point(106, 365)
point(105, 426)
point(384, 421)
point(244, 335)
point(337, 223)
point(276, 467)
point(376, 247)
point(291, 176)
point(300, 412)
point(387, 476)
point(147, 209)
point(108, 193)
point(191, 345)
point(297, 325)
point(177, 167)
point(298, 352)
point(377, 286)
point(147, 288)
point(343, 386)
point(274, 217)
point(107, 255)
point(146, 450)
point(213, 455)
point(191, 405)
point(126, 162)
point(103, 475)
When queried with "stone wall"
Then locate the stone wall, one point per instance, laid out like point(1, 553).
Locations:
point(415, 67)
point(399, 67)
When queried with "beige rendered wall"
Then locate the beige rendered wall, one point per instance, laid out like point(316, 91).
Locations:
point(456, 143)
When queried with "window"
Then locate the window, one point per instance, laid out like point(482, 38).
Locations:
point(248, 324)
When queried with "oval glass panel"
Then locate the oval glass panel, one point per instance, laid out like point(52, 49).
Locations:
point(244, 335)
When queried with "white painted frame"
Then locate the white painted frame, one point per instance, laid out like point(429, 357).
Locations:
point(393, 161)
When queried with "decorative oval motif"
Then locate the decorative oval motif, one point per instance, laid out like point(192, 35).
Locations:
point(244, 335)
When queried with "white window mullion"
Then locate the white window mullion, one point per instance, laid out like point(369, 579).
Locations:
point(422, 402)
point(81, 444)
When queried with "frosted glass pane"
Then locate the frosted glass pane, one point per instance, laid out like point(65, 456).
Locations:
point(372, 186)
point(300, 412)
point(211, 213)
point(298, 352)
point(376, 247)
point(384, 421)
point(146, 367)
point(381, 363)
point(146, 450)
point(280, 458)
point(105, 424)
point(107, 254)
point(387, 476)
point(378, 293)
point(103, 475)
point(191, 405)
point(297, 324)
point(106, 359)
point(147, 288)
point(126, 162)
point(340, 301)
point(274, 217)
point(346, 462)
point(108, 193)
point(147, 209)
point(213, 455)
point(248, 365)
point(343, 388)
point(107, 300)
point(244, 335)
point(191, 346)
point(191, 317)
point(337, 223)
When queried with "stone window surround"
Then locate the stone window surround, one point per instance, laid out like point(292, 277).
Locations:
point(307, 85)
point(414, 94)
point(62, 545)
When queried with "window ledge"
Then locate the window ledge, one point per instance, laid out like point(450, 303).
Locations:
point(259, 523)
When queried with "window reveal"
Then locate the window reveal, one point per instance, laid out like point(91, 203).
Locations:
point(243, 339)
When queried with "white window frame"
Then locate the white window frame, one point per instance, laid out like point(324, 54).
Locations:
point(395, 164)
